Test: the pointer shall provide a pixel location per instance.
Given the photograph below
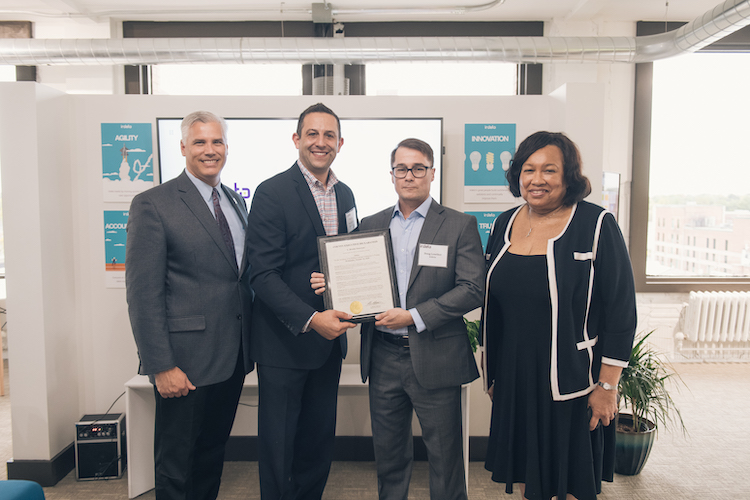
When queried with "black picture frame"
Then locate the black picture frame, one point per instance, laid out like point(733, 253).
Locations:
point(374, 250)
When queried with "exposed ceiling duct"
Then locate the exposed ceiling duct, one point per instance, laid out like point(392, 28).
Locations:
point(417, 10)
point(715, 24)
point(332, 11)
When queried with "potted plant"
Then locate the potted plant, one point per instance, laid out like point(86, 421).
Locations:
point(472, 330)
point(643, 392)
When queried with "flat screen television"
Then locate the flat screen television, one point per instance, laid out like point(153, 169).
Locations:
point(262, 147)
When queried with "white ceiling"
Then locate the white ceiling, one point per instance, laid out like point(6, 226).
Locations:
point(299, 10)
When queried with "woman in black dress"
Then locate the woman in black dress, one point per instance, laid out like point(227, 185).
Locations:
point(558, 326)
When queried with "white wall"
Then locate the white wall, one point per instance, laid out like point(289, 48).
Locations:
point(39, 246)
point(83, 333)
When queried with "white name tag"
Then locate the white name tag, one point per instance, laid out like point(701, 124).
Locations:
point(351, 220)
point(433, 255)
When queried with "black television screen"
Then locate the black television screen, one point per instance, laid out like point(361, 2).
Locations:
point(262, 147)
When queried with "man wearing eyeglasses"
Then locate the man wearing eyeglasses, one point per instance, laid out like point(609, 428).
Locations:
point(418, 355)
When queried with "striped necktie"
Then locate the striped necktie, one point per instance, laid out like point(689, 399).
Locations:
point(226, 233)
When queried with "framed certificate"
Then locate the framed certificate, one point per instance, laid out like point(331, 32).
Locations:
point(360, 273)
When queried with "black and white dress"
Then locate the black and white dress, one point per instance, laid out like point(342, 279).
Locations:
point(533, 439)
point(548, 324)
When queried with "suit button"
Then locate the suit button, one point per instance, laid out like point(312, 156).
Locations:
point(239, 316)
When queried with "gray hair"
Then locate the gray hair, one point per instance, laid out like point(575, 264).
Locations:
point(203, 117)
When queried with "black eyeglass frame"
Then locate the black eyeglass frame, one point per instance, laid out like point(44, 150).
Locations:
point(426, 168)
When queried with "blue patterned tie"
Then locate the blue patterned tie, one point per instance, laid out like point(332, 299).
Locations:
point(223, 224)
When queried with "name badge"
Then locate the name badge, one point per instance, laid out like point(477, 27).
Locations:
point(351, 220)
point(433, 255)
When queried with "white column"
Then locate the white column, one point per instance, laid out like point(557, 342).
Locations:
point(37, 217)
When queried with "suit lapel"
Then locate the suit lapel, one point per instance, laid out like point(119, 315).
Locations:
point(308, 202)
point(383, 220)
point(431, 225)
point(197, 205)
point(240, 209)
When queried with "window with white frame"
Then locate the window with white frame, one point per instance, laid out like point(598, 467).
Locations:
point(405, 79)
point(227, 79)
point(434, 79)
point(691, 181)
point(699, 174)
point(7, 73)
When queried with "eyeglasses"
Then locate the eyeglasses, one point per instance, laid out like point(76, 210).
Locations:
point(417, 171)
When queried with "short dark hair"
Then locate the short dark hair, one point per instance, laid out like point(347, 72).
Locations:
point(317, 108)
point(417, 145)
point(577, 185)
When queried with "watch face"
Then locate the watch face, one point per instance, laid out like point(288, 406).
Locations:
point(606, 386)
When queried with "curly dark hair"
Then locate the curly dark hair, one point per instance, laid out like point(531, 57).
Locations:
point(577, 185)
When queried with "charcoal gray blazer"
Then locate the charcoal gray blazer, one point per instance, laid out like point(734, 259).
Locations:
point(441, 354)
point(189, 304)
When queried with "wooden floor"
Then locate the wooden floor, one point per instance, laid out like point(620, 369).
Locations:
point(712, 463)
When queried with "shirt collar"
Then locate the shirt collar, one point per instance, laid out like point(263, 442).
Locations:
point(204, 189)
point(422, 209)
point(313, 181)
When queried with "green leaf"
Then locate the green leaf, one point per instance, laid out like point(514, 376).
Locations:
point(472, 330)
point(643, 387)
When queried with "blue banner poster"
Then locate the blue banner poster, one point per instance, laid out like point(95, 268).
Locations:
point(484, 224)
point(115, 234)
point(488, 149)
point(127, 160)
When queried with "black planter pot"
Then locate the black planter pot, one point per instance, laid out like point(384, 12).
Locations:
point(632, 449)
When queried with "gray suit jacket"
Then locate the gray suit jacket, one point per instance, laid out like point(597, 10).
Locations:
point(441, 355)
point(188, 303)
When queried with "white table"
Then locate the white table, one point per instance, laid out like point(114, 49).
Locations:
point(140, 408)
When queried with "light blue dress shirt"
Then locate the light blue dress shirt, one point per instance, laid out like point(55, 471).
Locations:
point(404, 238)
point(233, 218)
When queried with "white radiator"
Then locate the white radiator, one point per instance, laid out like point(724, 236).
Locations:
point(714, 325)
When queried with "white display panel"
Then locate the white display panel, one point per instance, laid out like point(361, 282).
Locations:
point(262, 147)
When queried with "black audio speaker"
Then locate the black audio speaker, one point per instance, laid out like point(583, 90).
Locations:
point(100, 447)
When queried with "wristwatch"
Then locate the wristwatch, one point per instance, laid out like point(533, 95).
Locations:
point(606, 386)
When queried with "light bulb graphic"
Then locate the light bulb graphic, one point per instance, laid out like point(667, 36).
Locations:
point(475, 157)
point(490, 161)
point(505, 158)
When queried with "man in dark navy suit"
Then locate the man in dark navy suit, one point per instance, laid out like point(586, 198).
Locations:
point(297, 345)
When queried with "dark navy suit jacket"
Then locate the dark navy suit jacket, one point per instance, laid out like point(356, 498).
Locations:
point(283, 228)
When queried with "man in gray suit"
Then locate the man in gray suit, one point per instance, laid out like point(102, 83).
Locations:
point(190, 308)
point(418, 355)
